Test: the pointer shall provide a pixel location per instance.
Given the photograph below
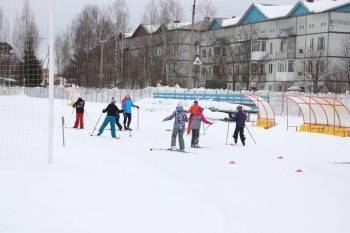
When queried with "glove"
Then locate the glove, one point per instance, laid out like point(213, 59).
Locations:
point(137, 107)
point(103, 110)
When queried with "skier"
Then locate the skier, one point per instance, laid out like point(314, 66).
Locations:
point(240, 119)
point(179, 126)
point(127, 105)
point(194, 110)
point(196, 125)
point(79, 117)
point(111, 110)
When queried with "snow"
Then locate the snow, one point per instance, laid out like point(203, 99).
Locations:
point(230, 22)
point(98, 184)
point(324, 5)
point(274, 11)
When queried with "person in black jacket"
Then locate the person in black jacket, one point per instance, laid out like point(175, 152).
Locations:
point(240, 119)
point(112, 111)
point(79, 108)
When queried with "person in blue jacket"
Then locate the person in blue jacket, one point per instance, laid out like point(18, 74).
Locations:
point(110, 119)
point(240, 119)
point(127, 105)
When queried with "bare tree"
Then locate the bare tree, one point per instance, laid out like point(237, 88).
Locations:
point(62, 52)
point(26, 39)
point(4, 27)
point(92, 26)
point(315, 68)
point(344, 63)
point(206, 8)
point(26, 33)
point(163, 12)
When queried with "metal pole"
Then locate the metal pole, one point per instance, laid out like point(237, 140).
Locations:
point(63, 139)
point(101, 76)
point(51, 81)
point(191, 46)
point(228, 129)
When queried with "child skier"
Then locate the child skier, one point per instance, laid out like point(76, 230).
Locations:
point(127, 105)
point(196, 125)
point(194, 110)
point(79, 117)
point(111, 111)
point(240, 119)
point(179, 126)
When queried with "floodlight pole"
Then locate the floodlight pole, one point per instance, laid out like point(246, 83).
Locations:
point(51, 80)
point(190, 72)
point(101, 75)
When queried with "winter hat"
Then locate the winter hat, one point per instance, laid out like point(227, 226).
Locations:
point(196, 101)
point(113, 100)
point(239, 108)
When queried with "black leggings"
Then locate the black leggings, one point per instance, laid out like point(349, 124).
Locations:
point(195, 137)
point(127, 119)
point(240, 131)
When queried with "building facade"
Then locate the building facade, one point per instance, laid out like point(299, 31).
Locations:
point(269, 47)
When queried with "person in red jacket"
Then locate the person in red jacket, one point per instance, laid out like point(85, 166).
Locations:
point(196, 125)
point(79, 108)
point(194, 110)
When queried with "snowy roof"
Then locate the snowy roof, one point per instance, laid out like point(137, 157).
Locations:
point(150, 28)
point(274, 11)
point(230, 22)
point(180, 25)
point(321, 6)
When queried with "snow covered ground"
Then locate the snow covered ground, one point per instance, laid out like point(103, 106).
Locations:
point(101, 185)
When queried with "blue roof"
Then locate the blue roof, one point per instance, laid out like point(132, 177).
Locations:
point(253, 15)
point(299, 10)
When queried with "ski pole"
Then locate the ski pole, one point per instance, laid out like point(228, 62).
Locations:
point(138, 119)
point(198, 136)
point(228, 129)
point(250, 134)
point(96, 124)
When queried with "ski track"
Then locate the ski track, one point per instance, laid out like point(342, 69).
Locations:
point(99, 184)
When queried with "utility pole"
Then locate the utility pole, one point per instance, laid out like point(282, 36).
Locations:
point(190, 82)
point(101, 75)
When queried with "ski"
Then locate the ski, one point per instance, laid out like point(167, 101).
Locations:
point(339, 163)
point(170, 150)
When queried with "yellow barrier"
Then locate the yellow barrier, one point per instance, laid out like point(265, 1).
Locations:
point(325, 129)
point(265, 123)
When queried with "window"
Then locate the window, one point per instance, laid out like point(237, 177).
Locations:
point(281, 67)
point(301, 51)
point(312, 43)
point(290, 66)
point(271, 48)
point(216, 69)
point(223, 51)
point(282, 45)
point(204, 53)
point(263, 46)
point(210, 52)
point(256, 46)
point(261, 69)
point(320, 43)
point(270, 68)
point(217, 51)
point(254, 68)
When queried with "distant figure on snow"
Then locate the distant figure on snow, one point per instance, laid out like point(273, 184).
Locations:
point(179, 126)
point(195, 125)
point(111, 111)
point(127, 105)
point(79, 117)
point(240, 119)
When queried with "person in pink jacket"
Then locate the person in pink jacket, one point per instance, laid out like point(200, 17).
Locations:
point(196, 125)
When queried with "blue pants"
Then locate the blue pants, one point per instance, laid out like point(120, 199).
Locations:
point(111, 121)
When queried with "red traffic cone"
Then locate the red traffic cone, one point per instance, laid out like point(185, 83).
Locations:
point(232, 162)
point(280, 157)
point(299, 170)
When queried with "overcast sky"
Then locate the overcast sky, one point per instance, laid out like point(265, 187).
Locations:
point(67, 10)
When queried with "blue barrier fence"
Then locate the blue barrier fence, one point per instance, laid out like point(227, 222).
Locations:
point(220, 97)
